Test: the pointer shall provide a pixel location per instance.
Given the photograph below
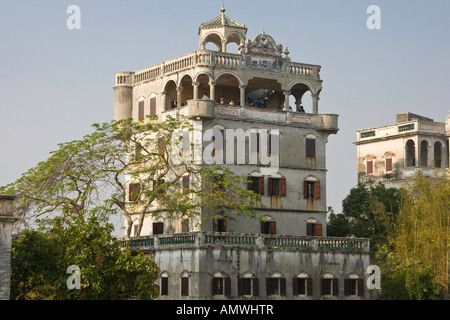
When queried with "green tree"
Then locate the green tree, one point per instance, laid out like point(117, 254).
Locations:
point(367, 213)
point(88, 175)
point(421, 244)
point(40, 260)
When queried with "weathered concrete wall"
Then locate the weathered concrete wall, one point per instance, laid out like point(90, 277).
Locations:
point(6, 224)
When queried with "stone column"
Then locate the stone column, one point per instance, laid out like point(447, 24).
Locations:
point(6, 223)
point(163, 101)
point(196, 84)
point(179, 96)
point(286, 100)
point(212, 90)
point(242, 90)
point(315, 103)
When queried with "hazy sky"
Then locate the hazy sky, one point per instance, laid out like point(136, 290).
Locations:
point(56, 82)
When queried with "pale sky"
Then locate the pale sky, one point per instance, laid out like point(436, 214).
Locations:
point(56, 82)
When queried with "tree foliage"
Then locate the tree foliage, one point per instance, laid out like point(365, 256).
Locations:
point(40, 259)
point(92, 175)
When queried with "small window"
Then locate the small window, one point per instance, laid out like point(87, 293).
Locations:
point(256, 184)
point(134, 190)
point(310, 148)
point(329, 287)
point(314, 229)
point(221, 286)
point(158, 186)
point(164, 286)
point(184, 226)
point(369, 165)
point(158, 227)
point(184, 286)
point(248, 286)
point(311, 189)
point(185, 183)
point(141, 110)
point(269, 227)
point(354, 287)
point(388, 162)
point(153, 106)
point(277, 187)
point(302, 286)
point(276, 286)
point(220, 225)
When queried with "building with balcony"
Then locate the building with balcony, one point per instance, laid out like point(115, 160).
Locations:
point(287, 255)
point(391, 154)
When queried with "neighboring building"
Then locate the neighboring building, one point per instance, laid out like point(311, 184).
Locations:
point(286, 256)
point(7, 221)
point(392, 154)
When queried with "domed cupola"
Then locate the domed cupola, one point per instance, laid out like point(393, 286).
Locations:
point(221, 31)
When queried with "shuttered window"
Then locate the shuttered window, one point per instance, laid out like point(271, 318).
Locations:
point(302, 286)
point(354, 287)
point(329, 287)
point(152, 106)
point(269, 227)
point(276, 187)
point(220, 225)
point(141, 110)
point(314, 229)
point(389, 164)
point(369, 166)
point(134, 190)
point(256, 184)
point(164, 286)
point(185, 286)
point(310, 148)
point(158, 227)
point(311, 189)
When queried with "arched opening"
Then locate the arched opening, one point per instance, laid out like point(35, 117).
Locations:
point(233, 42)
point(438, 155)
point(171, 95)
point(188, 90)
point(423, 154)
point(266, 92)
point(203, 81)
point(227, 89)
point(213, 42)
point(410, 154)
point(301, 102)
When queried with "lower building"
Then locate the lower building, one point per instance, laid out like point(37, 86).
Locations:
point(212, 265)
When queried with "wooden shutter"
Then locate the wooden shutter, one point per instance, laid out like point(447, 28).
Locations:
point(164, 286)
point(309, 229)
point(250, 183)
point(295, 286)
point(369, 166)
point(318, 229)
point(141, 110)
point(335, 287)
point(310, 148)
point(185, 286)
point(282, 286)
point(360, 287)
point(322, 286)
point(227, 288)
point(153, 106)
point(240, 286)
point(184, 227)
point(346, 287)
point(269, 186)
point(215, 225)
point(305, 189)
point(261, 185)
point(224, 225)
point(309, 287)
point(389, 164)
point(134, 190)
point(268, 287)
point(273, 227)
point(317, 185)
point(255, 287)
point(283, 187)
point(185, 182)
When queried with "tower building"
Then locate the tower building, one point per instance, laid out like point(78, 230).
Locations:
point(287, 255)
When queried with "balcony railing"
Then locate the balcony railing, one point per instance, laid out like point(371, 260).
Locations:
point(218, 239)
point(210, 59)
